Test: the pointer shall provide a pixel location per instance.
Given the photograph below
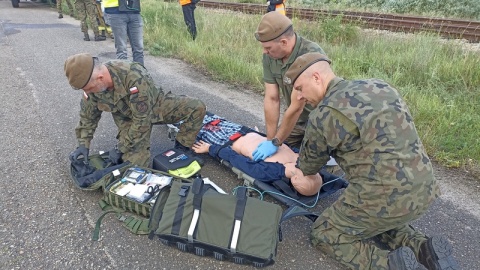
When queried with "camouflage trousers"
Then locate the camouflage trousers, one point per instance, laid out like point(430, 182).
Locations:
point(69, 4)
point(347, 234)
point(296, 136)
point(87, 8)
point(170, 109)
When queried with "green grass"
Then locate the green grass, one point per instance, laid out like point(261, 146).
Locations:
point(440, 82)
point(462, 9)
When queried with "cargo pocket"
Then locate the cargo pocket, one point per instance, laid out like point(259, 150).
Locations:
point(336, 234)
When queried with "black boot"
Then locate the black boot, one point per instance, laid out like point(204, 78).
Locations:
point(86, 37)
point(436, 254)
point(99, 38)
point(60, 15)
point(403, 258)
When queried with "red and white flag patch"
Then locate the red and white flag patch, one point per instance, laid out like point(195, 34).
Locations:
point(133, 90)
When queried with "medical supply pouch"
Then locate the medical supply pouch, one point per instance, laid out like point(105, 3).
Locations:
point(97, 172)
point(235, 228)
point(136, 190)
point(131, 197)
point(177, 162)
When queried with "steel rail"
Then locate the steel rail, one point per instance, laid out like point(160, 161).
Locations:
point(448, 28)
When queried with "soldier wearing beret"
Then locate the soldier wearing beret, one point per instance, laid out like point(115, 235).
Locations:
point(281, 46)
point(126, 90)
point(367, 127)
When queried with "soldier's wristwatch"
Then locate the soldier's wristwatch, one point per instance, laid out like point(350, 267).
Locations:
point(276, 142)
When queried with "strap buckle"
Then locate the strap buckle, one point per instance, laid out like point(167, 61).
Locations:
point(183, 191)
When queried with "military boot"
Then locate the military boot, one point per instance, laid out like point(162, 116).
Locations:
point(436, 254)
point(403, 258)
point(86, 37)
point(99, 37)
point(60, 15)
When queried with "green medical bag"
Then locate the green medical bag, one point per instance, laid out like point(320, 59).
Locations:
point(195, 218)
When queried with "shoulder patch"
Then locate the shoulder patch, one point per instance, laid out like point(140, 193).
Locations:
point(141, 107)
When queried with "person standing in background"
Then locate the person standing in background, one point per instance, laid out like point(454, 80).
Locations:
point(60, 11)
point(188, 8)
point(126, 22)
point(277, 5)
point(88, 8)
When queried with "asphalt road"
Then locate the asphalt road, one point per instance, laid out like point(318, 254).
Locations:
point(46, 223)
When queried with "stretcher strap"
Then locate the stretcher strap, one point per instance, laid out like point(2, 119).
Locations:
point(243, 130)
point(285, 188)
point(177, 220)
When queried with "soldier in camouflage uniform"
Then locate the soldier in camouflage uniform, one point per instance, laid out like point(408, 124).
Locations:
point(367, 127)
point(126, 90)
point(60, 11)
point(88, 8)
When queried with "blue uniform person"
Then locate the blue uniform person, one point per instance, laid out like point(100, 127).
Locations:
point(127, 24)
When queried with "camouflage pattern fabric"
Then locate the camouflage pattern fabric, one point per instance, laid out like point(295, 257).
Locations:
point(69, 4)
point(87, 8)
point(135, 113)
point(274, 70)
point(366, 126)
point(296, 136)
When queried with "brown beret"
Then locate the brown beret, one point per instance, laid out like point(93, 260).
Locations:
point(301, 64)
point(272, 25)
point(78, 69)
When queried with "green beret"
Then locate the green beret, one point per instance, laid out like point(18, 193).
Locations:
point(78, 69)
point(301, 64)
point(272, 25)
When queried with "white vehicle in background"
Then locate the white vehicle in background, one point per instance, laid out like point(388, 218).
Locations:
point(16, 3)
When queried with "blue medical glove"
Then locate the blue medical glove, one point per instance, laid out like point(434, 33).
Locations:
point(264, 150)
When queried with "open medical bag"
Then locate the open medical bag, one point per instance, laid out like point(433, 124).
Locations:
point(195, 218)
point(96, 173)
point(131, 197)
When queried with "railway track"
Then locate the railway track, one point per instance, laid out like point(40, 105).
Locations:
point(448, 28)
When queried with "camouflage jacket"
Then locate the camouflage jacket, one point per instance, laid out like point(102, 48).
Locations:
point(132, 102)
point(275, 69)
point(367, 127)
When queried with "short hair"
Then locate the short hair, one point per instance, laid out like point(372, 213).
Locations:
point(287, 34)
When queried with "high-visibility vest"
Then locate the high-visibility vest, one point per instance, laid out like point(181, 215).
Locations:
point(185, 2)
point(110, 3)
point(281, 8)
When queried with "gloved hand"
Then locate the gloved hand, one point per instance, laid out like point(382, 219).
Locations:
point(80, 151)
point(264, 150)
point(115, 156)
